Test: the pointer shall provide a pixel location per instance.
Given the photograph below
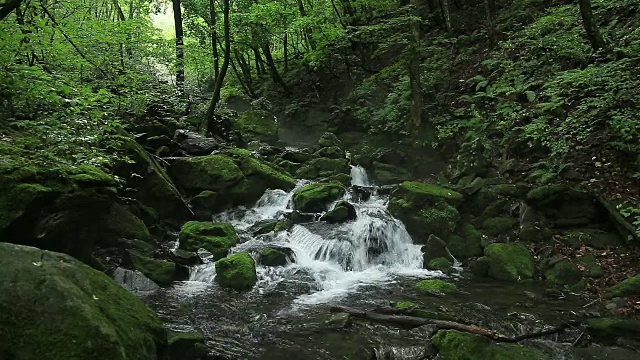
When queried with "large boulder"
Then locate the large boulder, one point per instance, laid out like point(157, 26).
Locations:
point(343, 211)
point(426, 209)
point(567, 206)
point(161, 272)
point(316, 197)
point(236, 176)
point(628, 287)
point(509, 262)
point(276, 256)
point(257, 125)
point(466, 242)
point(385, 174)
point(453, 344)
point(195, 144)
point(237, 272)
point(121, 223)
point(55, 307)
point(613, 330)
point(216, 238)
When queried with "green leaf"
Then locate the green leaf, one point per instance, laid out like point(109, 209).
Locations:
point(531, 96)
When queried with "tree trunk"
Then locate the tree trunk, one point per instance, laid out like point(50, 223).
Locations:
point(214, 39)
point(447, 15)
point(272, 68)
point(490, 9)
point(259, 64)
point(209, 119)
point(177, 18)
point(286, 52)
point(414, 72)
point(596, 40)
point(308, 32)
point(8, 7)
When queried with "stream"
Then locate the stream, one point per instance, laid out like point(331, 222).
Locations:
point(364, 263)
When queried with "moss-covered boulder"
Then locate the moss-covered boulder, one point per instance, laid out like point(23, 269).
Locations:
point(509, 262)
point(331, 152)
point(436, 287)
point(628, 287)
point(610, 330)
point(55, 307)
point(316, 197)
point(593, 238)
point(276, 256)
point(425, 209)
point(328, 167)
point(499, 226)
point(328, 140)
point(433, 249)
point(385, 174)
point(564, 272)
point(236, 272)
point(343, 211)
point(466, 242)
point(216, 238)
point(442, 264)
point(161, 272)
point(456, 345)
point(187, 346)
point(257, 125)
point(237, 177)
point(591, 266)
point(120, 222)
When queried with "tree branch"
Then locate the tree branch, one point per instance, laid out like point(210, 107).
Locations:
point(8, 7)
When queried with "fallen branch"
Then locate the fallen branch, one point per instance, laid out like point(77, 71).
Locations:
point(405, 321)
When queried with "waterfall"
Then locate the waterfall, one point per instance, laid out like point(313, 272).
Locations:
point(338, 258)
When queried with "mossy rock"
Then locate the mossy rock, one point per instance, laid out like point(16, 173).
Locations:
point(290, 166)
point(612, 329)
point(404, 305)
point(499, 226)
point(436, 287)
point(299, 157)
point(343, 211)
point(212, 172)
point(466, 242)
point(593, 238)
point(628, 287)
point(276, 256)
point(55, 307)
point(456, 345)
point(16, 199)
point(438, 218)
point(547, 193)
point(480, 267)
point(257, 125)
point(329, 140)
point(283, 225)
point(236, 272)
point(342, 178)
point(442, 264)
point(187, 346)
point(307, 172)
point(217, 238)
point(263, 227)
point(123, 224)
point(385, 174)
point(328, 167)
point(591, 266)
point(420, 193)
point(331, 152)
point(161, 272)
point(563, 273)
point(509, 262)
point(316, 197)
point(433, 249)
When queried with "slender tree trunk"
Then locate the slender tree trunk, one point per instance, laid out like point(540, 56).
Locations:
point(414, 72)
point(214, 38)
point(215, 99)
point(307, 30)
point(286, 52)
point(490, 9)
point(177, 18)
point(447, 15)
point(260, 70)
point(272, 68)
point(596, 40)
point(8, 7)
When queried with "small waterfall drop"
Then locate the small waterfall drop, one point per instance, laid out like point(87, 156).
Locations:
point(359, 176)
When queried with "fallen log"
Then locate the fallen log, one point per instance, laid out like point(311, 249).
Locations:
point(396, 318)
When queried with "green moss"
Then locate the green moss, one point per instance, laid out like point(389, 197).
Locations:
point(456, 345)
point(315, 197)
point(421, 191)
point(60, 309)
point(543, 194)
point(510, 262)
point(15, 200)
point(436, 286)
point(217, 238)
point(161, 272)
point(331, 152)
point(237, 272)
point(307, 172)
point(327, 167)
point(404, 305)
point(480, 267)
point(187, 345)
point(389, 174)
point(264, 175)
point(591, 266)
point(273, 257)
point(212, 172)
point(466, 243)
point(499, 226)
point(440, 219)
point(628, 287)
point(283, 225)
point(594, 238)
point(343, 179)
point(443, 264)
point(508, 190)
point(434, 248)
point(122, 223)
point(610, 329)
point(564, 272)
point(329, 139)
point(257, 125)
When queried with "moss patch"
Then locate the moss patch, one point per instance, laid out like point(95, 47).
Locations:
point(315, 197)
point(161, 272)
point(217, 238)
point(510, 262)
point(420, 192)
point(564, 272)
point(442, 264)
point(236, 272)
point(55, 307)
point(123, 223)
point(257, 125)
point(436, 286)
point(456, 345)
point(628, 287)
point(499, 226)
point(212, 172)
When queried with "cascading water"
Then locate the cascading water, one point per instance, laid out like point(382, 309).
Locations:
point(339, 259)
